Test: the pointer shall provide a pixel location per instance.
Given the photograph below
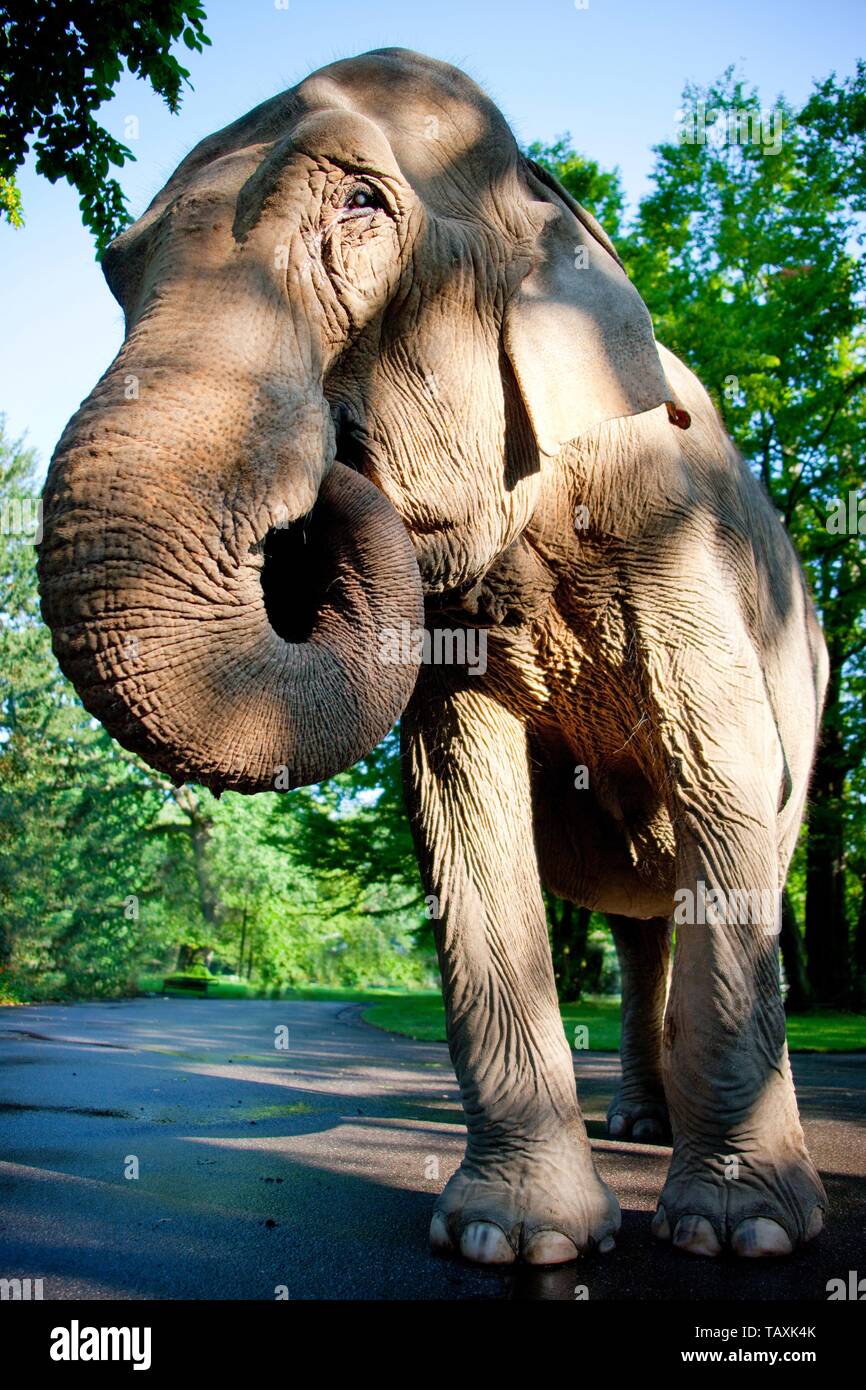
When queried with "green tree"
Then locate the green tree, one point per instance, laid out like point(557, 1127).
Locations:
point(59, 61)
point(354, 834)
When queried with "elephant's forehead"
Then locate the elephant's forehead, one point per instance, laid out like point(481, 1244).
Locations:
point(432, 114)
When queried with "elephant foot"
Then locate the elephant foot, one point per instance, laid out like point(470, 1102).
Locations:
point(754, 1206)
point(541, 1201)
point(641, 1116)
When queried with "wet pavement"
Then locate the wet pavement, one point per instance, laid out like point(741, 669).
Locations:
point(305, 1166)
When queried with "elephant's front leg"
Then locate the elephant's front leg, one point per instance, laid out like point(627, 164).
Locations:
point(527, 1185)
point(639, 1109)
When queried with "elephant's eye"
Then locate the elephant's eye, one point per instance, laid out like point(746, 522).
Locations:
point(362, 199)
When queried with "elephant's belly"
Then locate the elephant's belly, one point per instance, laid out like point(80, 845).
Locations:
point(598, 844)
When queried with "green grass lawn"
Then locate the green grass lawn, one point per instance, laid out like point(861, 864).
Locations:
point(419, 1014)
point(219, 988)
point(827, 1031)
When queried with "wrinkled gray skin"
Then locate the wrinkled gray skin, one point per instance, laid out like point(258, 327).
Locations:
point(369, 341)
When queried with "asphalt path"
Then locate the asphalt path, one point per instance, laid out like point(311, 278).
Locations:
point(221, 1149)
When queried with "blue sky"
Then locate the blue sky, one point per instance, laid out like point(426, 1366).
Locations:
point(611, 74)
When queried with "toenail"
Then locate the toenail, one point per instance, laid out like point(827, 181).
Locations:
point(549, 1248)
point(439, 1237)
point(759, 1236)
point(816, 1224)
point(660, 1226)
point(486, 1244)
point(646, 1129)
point(695, 1235)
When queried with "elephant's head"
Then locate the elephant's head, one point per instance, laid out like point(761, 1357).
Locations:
point(359, 327)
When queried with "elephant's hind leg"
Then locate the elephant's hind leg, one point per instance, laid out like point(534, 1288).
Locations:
point(527, 1186)
point(639, 1110)
point(740, 1174)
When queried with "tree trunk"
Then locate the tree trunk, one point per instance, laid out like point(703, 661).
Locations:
point(799, 996)
point(859, 986)
point(200, 827)
point(243, 942)
point(185, 958)
point(200, 833)
point(569, 928)
point(827, 952)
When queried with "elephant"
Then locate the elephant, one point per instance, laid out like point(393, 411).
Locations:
point(382, 374)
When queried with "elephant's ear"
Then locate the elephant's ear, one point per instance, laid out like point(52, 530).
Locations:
point(577, 333)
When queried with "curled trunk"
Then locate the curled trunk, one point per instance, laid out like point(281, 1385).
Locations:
point(211, 634)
